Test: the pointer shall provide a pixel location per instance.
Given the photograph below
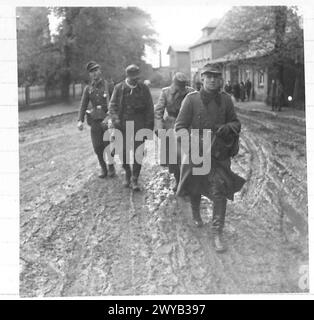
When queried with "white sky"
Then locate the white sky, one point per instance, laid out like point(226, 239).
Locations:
point(179, 25)
point(176, 25)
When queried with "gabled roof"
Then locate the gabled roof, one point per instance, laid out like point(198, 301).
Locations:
point(224, 29)
point(217, 24)
point(178, 48)
point(212, 23)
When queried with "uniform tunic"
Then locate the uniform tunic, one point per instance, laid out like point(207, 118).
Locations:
point(166, 112)
point(95, 100)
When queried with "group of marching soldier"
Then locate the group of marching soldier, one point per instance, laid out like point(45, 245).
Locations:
point(179, 107)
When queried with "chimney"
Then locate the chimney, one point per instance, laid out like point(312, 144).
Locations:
point(160, 59)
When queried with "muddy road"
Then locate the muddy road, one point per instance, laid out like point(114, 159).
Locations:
point(85, 236)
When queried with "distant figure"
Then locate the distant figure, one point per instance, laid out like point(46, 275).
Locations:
point(242, 91)
point(276, 95)
point(279, 95)
point(236, 90)
point(248, 87)
point(228, 87)
point(272, 94)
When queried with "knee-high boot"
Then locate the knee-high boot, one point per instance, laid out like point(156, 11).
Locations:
point(176, 173)
point(195, 205)
point(127, 169)
point(100, 155)
point(219, 213)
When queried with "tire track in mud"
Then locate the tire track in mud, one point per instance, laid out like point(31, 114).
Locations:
point(282, 183)
point(81, 235)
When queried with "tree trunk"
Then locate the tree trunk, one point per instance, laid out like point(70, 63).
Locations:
point(296, 90)
point(280, 30)
point(27, 96)
point(65, 87)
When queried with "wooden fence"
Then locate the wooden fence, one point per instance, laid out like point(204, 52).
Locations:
point(38, 94)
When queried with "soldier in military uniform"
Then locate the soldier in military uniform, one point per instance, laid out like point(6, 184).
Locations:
point(211, 109)
point(131, 101)
point(166, 112)
point(97, 92)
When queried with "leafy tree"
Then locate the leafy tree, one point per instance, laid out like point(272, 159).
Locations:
point(273, 34)
point(33, 45)
point(113, 36)
point(272, 27)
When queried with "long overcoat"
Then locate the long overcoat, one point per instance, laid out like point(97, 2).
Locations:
point(194, 115)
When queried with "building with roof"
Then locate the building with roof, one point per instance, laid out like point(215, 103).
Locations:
point(242, 42)
point(179, 59)
point(209, 47)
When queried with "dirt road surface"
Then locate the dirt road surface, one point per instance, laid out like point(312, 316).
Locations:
point(85, 236)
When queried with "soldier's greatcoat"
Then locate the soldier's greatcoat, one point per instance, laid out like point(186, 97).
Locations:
point(168, 106)
point(166, 112)
point(194, 114)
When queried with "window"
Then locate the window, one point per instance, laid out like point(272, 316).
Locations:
point(261, 78)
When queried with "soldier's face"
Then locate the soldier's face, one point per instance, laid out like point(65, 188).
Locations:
point(133, 80)
point(95, 74)
point(179, 85)
point(211, 81)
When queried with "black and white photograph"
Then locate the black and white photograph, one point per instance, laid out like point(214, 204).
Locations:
point(162, 150)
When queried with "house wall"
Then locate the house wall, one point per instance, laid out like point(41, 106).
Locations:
point(172, 60)
point(183, 63)
point(201, 55)
point(180, 61)
point(244, 71)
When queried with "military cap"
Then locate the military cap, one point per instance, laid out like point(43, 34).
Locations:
point(132, 71)
point(208, 68)
point(92, 65)
point(180, 77)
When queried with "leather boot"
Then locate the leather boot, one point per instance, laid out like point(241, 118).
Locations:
point(219, 212)
point(177, 177)
point(111, 171)
point(127, 181)
point(103, 171)
point(102, 163)
point(195, 204)
point(136, 172)
point(135, 184)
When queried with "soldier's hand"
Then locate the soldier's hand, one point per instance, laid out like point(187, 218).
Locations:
point(222, 130)
point(80, 125)
point(110, 124)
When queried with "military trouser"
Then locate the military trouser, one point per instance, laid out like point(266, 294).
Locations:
point(99, 145)
point(219, 207)
point(137, 159)
point(175, 170)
